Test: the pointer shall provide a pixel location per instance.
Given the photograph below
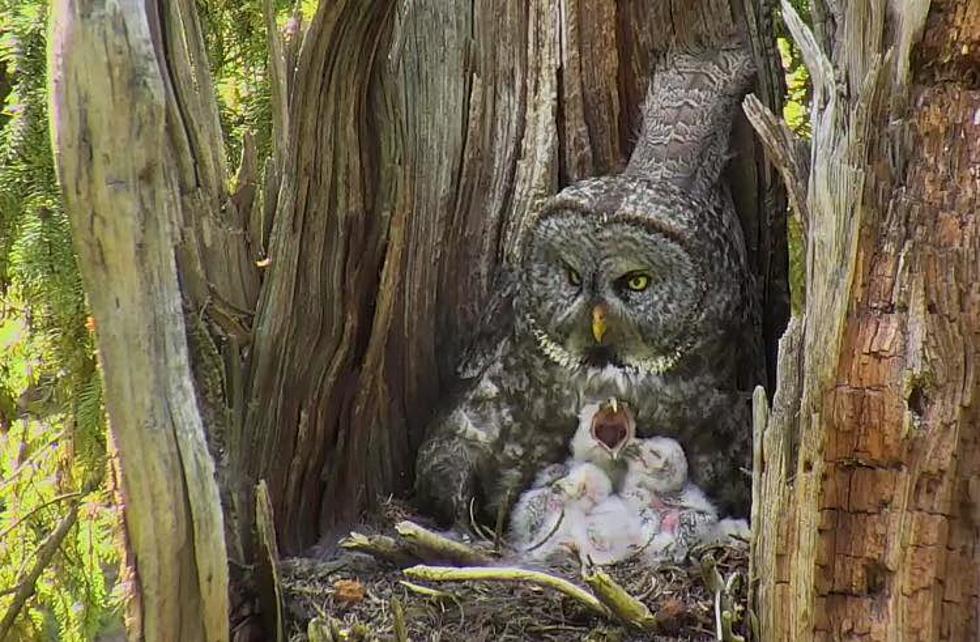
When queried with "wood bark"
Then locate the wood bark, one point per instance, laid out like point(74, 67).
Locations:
point(868, 467)
point(113, 136)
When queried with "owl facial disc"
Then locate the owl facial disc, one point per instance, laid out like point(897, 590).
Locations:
point(612, 290)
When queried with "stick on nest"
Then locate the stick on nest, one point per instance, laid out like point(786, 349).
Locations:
point(483, 597)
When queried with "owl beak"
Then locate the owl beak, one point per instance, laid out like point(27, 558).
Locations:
point(599, 322)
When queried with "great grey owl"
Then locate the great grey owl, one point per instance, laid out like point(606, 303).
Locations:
point(632, 286)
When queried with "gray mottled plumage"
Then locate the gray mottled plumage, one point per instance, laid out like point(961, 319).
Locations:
point(669, 349)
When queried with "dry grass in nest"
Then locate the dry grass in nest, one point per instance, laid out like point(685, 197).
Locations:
point(353, 596)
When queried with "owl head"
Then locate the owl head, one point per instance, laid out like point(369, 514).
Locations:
point(585, 483)
point(614, 274)
point(604, 430)
point(657, 465)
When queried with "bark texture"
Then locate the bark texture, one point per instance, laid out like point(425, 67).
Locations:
point(868, 525)
point(123, 186)
point(418, 137)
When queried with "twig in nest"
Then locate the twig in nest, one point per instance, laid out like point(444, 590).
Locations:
point(498, 531)
point(326, 628)
point(398, 619)
point(26, 586)
point(728, 613)
point(719, 634)
point(554, 529)
point(727, 633)
point(379, 546)
point(480, 531)
point(427, 592)
point(320, 630)
point(654, 586)
point(360, 632)
point(430, 546)
point(267, 570)
point(724, 616)
point(714, 582)
point(626, 607)
point(508, 574)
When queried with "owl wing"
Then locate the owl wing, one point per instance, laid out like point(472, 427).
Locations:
point(445, 468)
point(495, 325)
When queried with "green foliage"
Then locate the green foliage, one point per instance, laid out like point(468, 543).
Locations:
point(796, 112)
point(52, 422)
point(53, 436)
point(796, 108)
point(237, 44)
point(37, 262)
point(238, 47)
point(234, 34)
point(40, 474)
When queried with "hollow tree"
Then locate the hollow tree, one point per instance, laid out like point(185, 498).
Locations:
point(299, 321)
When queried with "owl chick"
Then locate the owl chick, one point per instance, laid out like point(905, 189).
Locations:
point(573, 502)
point(604, 431)
point(539, 508)
point(676, 512)
point(550, 517)
point(614, 530)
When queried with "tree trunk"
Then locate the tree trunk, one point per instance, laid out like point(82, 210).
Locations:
point(870, 463)
point(114, 135)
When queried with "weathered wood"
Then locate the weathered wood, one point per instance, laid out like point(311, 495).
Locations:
point(324, 312)
point(618, 600)
point(508, 574)
point(867, 530)
point(382, 547)
point(418, 138)
point(785, 150)
point(432, 546)
point(268, 582)
point(120, 182)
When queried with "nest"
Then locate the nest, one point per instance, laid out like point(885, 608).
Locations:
point(407, 582)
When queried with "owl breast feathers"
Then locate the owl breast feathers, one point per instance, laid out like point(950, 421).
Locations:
point(632, 286)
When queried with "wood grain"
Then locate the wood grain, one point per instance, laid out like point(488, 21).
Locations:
point(872, 531)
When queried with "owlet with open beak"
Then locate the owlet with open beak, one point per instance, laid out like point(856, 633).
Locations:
point(604, 431)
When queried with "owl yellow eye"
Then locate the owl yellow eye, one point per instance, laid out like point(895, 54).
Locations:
point(638, 281)
point(574, 277)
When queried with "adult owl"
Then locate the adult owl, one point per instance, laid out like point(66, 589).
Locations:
point(633, 286)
